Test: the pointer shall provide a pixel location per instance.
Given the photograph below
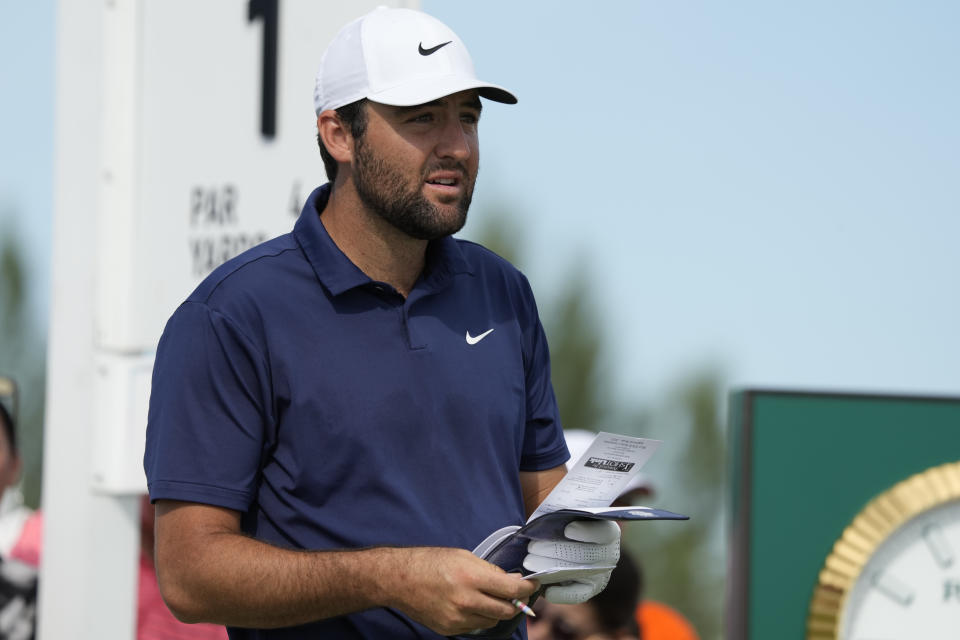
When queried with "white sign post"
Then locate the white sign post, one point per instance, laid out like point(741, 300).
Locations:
point(185, 135)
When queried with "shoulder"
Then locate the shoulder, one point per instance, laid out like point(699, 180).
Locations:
point(243, 295)
point(502, 286)
point(29, 545)
point(13, 517)
point(476, 255)
point(488, 265)
point(254, 270)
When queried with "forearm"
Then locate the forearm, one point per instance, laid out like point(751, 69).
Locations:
point(235, 580)
point(210, 572)
point(537, 485)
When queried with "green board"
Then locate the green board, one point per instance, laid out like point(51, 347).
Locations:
point(802, 466)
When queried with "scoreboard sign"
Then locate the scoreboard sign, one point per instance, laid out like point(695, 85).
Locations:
point(208, 141)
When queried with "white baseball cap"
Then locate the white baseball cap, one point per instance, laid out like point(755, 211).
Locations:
point(399, 57)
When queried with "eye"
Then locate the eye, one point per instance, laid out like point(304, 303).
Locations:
point(421, 117)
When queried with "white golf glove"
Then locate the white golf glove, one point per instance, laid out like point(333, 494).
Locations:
point(585, 543)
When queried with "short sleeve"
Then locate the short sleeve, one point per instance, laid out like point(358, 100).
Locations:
point(209, 411)
point(544, 446)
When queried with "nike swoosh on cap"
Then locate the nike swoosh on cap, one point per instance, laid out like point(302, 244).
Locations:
point(426, 52)
point(474, 340)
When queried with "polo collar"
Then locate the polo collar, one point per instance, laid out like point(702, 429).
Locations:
point(338, 274)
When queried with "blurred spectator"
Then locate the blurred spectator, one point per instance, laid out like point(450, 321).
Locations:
point(609, 615)
point(661, 622)
point(21, 538)
point(656, 621)
point(154, 620)
point(18, 581)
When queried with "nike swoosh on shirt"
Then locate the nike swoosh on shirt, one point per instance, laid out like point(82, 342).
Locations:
point(426, 52)
point(475, 340)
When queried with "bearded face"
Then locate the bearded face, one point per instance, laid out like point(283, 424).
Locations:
point(395, 193)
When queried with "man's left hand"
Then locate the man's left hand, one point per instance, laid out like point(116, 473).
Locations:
point(585, 543)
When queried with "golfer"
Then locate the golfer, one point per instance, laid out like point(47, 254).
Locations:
point(340, 414)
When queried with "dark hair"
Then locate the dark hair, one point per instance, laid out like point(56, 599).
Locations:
point(616, 605)
point(353, 115)
point(9, 429)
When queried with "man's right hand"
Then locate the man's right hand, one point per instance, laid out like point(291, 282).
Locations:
point(452, 591)
point(209, 571)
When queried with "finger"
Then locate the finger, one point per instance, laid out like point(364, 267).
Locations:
point(509, 586)
point(576, 552)
point(479, 621)
point(595, 531)
point(535, 563)
point(573, 593)
point(496, 609)
point(472, 624)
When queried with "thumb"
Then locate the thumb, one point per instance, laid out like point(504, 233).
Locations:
point(595, 531)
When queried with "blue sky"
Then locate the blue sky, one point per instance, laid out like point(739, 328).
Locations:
point(771, 187)
point(26, 126)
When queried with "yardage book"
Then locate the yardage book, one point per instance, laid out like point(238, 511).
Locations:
point(507, 547)
point(591, 485)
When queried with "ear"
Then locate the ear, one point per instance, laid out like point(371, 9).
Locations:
point(336, 137)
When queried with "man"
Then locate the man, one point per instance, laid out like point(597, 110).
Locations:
point(339, 414)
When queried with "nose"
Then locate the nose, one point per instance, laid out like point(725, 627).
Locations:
point(456, 140)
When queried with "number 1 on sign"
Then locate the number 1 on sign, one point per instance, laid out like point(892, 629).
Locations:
point(269, 12)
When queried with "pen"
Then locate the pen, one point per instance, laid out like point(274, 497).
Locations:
point(527, 610)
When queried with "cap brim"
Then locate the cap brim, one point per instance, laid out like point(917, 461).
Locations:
point(420, 92)
point(497, 94)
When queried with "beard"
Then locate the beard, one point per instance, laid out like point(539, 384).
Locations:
point(387, 191)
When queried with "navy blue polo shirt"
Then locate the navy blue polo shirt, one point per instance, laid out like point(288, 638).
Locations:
point(333, 413)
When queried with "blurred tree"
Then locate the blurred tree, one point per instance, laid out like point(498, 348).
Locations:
point(500, 234)
point(22, 356)
point(577, 353)
point(683, 563)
